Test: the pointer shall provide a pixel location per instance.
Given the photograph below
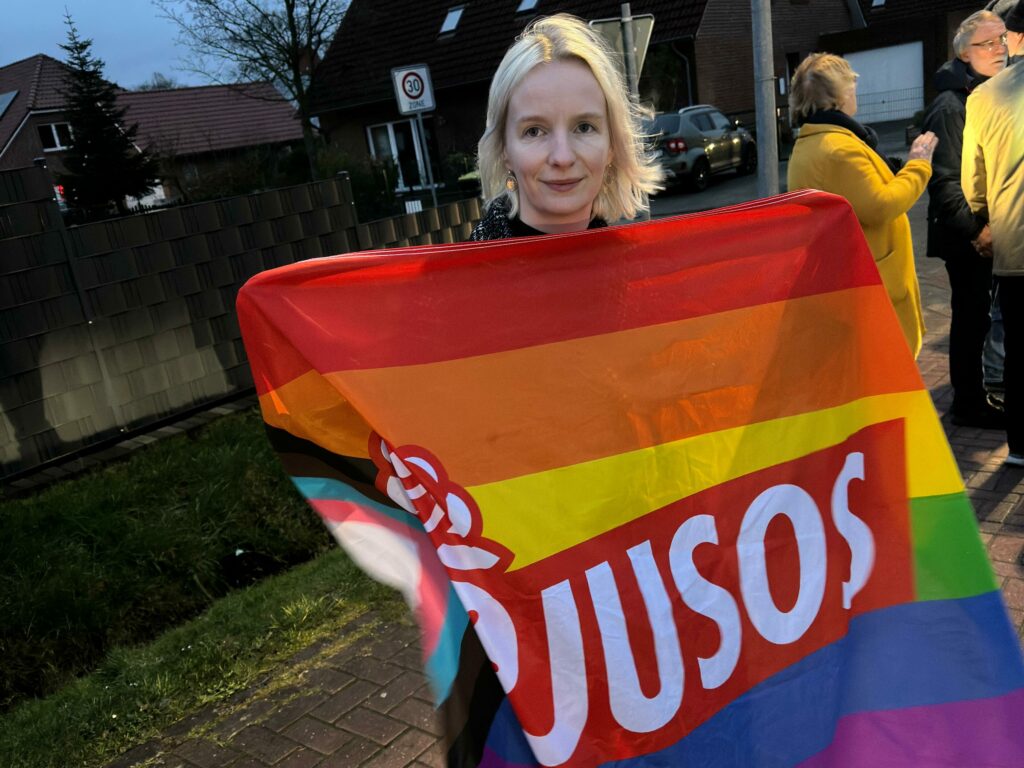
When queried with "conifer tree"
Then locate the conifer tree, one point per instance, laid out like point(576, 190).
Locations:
point(103, 164)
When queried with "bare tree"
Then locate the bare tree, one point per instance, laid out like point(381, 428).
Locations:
point(246, 40)
point(158, 81)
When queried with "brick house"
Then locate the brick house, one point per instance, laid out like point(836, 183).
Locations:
point(193, 129)
point(902, 45)
point(197, 131)
point(32, 123)
point(700, 52)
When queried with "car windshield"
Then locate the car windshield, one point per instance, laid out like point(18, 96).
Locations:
point(663, 124)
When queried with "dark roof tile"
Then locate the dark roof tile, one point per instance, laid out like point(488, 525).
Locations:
point(183, 120)
point(38, 80)
point(377, 35)
point(209, 118)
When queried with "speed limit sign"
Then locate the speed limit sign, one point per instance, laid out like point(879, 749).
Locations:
point(412, 89)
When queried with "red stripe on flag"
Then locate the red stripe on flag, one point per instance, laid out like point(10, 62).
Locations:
point(416, 305)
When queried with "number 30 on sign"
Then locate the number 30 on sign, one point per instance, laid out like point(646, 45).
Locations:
point(413, 90)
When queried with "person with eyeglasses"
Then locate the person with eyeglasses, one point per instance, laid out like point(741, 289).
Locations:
point(992, 177)
point(956, 234)
point(1012, 14)
point(993, 45)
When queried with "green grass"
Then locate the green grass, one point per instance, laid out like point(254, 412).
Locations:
point(138, 691)
point(113, 558)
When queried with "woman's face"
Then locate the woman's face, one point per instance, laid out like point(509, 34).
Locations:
point(558, 145)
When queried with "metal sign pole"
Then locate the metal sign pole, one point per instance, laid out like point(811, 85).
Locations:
point(764, 98)
point(426, 157)
point(629, 51)
point(414, 94)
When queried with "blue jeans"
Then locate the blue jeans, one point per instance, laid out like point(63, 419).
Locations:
point(993, 353)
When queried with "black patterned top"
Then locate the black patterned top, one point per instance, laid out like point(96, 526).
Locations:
point(496, 225)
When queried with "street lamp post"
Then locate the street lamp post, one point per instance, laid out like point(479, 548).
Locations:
point(764, 99)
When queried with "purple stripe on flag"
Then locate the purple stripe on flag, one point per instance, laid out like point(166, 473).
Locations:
point(491, 759)
point(979, 733)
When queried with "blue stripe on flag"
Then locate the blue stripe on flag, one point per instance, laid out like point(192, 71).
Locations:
point(443, 664)
point(916, 654)
point(911, 655)
point(335, 490)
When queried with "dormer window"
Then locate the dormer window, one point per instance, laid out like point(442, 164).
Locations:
point(526, 5)
point(55, 136)
point(451, 21)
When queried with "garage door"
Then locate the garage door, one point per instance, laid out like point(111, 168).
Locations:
point(891, 84)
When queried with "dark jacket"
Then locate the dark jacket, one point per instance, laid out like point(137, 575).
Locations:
point(951, 224)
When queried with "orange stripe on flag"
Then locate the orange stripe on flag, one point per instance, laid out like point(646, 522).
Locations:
point(563, 403)
point(309, 407)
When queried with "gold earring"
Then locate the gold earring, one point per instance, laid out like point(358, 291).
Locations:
point(511, 184)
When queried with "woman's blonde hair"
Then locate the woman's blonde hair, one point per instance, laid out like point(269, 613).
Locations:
point(633, 174)
point(820, 82)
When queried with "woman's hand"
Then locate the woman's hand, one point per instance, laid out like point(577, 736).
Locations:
point(923, 147)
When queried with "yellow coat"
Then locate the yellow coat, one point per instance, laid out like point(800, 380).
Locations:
point(833, 159)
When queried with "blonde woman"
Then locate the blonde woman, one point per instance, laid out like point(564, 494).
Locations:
point(835, 153)
point(563, 149)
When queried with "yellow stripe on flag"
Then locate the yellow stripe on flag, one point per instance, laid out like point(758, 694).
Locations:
point(575, 503)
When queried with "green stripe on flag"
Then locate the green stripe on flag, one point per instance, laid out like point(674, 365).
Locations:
point(949, 559)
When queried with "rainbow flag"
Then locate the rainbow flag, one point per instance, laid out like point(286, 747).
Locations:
point(669, 494)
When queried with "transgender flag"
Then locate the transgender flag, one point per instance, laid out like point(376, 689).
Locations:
point(669, 494)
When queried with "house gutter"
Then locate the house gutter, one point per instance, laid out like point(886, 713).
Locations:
point(856, 14)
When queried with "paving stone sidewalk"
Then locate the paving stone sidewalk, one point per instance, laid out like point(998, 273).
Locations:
point(995, 491)
point(367, 704)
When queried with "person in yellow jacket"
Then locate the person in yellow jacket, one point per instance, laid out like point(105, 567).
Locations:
point(835, 153)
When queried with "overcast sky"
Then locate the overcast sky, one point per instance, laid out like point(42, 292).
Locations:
point(129, 35)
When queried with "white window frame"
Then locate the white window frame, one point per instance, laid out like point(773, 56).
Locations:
point(451, 20)
point(402, 186)
point(58, 147)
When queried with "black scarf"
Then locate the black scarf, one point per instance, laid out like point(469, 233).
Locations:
point(863, 132)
